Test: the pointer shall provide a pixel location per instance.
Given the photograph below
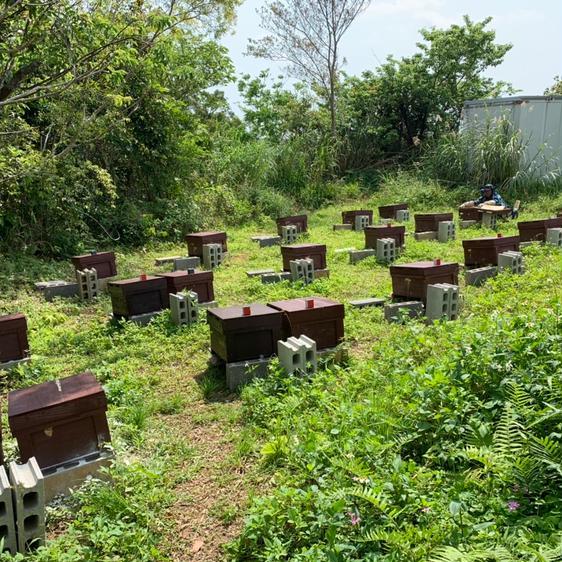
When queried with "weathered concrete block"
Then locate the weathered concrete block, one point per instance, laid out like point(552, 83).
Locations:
point(364, 303)
point(442, 302)
point(362, 222)
point(554, 237)
point(269, 278)
point(402, 215)
point(88, 286)
point(302, 270)
point(344, 250)
point(446, 231)
point(321, 273)
point(206, 305)
point(289, 234)
point(7, 520)
point(511, 261)
point(489, 220)
point(343, 227)
point(259, 272)
point(9, 365)
point(298, 354)
point(480, 275)
point(386, 249)
point(52, 289)
point(359, 255)
point(143, 319)
point(523, 245)
point(163, 261)
point(398, 312)
point(468, 223)
point(241, 373)
point(267, 241)
point(212, 255)
point(385, 221)
point(185, 263)
point(428, 235)
point(184, 308)
point(28, 495)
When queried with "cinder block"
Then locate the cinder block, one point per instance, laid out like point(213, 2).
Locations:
point(259, 272)
point(88, 287)
point(269, 278)
point(344, 250)
point(298, 354)
point(362, 222)
point(442, 302)
point(403, 215)
point(480, 275)
point(266, 241)
point(185, 263)
point(184, 308)
point(385, 221)
point(554, 237)
point(364, 303)
point(9, 365)
point(206, 305)
point(144, 319)
point(343, 227)
point(398, 312)
point(241, 373)
point(446, 231)
point(321, 273)
point(386, 249)
point(489, 220)
point(511, 261)
point(359, 255)
point(163, 261)
point(289, 234)
point(428, 235)
point(302, 270)
point(212, 255)
point(523, 245)
point(7, 521)
point(468, 223)
point(28, 494)
point(52, 289)
point(104, 282)
point(62, 479)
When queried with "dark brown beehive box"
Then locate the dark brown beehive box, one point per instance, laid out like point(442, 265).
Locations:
point(389, 211)
point(480, 252)
point(102, 262)
point(130, 297)
point(535, 231)
point(323, 323)
point(470, 214)
point(430, 221)
point(58, 421)
point(348, 217)
point(316, 252)
point(197, 240)
point(410, 280)
point(235, 337)
point(300, 221)
point(374, 233)
point(13, 338)
point(200, 282)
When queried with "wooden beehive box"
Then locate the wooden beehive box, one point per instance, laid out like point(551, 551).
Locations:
point(389, 211)
point(348, 217)
point(102, 262)
point(238, 337)
point(480, 252)
point(316, 252)
point(300, 221)
point(429, 222)
point(131, 297)
point(374, 233)
point(59, 421)
point(13, 338)
point(323, 323)
point(535, 231)
point(197, 240)
point(410, 280)
point(200, 282)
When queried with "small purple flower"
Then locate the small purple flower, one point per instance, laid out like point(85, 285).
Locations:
point(354, 518)
point(512, 505)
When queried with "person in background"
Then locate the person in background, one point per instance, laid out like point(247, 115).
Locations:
point(488, 196)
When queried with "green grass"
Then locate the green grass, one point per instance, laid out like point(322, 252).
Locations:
point(382, 438)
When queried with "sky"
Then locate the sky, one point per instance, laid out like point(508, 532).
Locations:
point(390, 27)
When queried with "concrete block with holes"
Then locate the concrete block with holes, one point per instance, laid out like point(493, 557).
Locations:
point(28, 495)
point(359, 255)
point(289, 234)
point(184, 308)
point(88, 285)
point(212, 255)
point(7, 521)
point(183, 264)
point(302, 270)
point(398, 312)
point(554, 237)
point(489, 220)
point(362, 222)
point(511, 261)
point(446, 231)
point(403, 215)
point(298, 355)
point(480, 275)
point(386, 249)
point(442, 302)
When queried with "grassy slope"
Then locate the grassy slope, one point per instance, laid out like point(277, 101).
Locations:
point(187, 456)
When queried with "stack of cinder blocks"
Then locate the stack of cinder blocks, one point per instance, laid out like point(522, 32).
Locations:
point(362, 222)
point(184, 308)
point(446, 231)
point(212, 255)
point(554, 237)
point(442, 301)
point(386, 249)
point(289, 234)
point(302, 270)
point(88, 286)
point(22, 507)
point(298, 355)
point(511, 261)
